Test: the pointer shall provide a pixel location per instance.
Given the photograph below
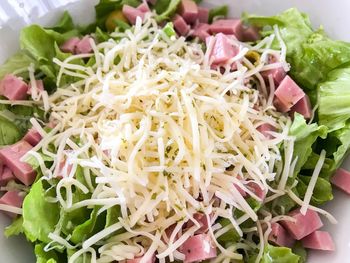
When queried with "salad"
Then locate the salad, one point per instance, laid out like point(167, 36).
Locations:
point(169, 132)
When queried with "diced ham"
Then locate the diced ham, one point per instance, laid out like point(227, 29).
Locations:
point(11, 155)
point(138, 260)
point(280, 237)
point(188, 9)
point(288, 92)
point(304, 225)
point(256, 189)
point(13, 88)
point(202, 220)
point(144, 7)
point(84, 46)
point(251, 34)
point(265, 129)
point(223, 50)
point(64, 171)
point(228, 27)
point(281, 107)
point(240, 190)
point(39, 85)
point(197, 248)
point(6, 175)
point(201, 31)
point(303, 107)
point(341, 179)
point(278, 74)
point(181, 27)
point(33, 137)
point(12, 198)
point(132, 13)
point(203, 14)
point(70, 45)
point(320, 240)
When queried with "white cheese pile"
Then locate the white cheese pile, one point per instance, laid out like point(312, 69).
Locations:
point(155, 129)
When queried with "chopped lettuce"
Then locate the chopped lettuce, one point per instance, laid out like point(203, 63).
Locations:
point(311, 53)
point(9, 133)
point(15, 228)
point(305, 136)
point(322, 192)
point(18, 61)
point(274, 254)
point(165, 9)
point(39, 216)
point(45, 257)
point(334, 99)
point(220, 11)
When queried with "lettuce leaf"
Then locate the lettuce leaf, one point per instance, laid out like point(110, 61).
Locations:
point(9, 133)
point(305, 136)
point(18, 61)
point(165, 9)
point(334, 98)
point(15, 228)
point(311, 53)
point(218, 11)
point(39, 216)
point(279, 255)
point(322, 192)
point(45, 257)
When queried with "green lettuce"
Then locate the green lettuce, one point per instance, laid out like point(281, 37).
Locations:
point(15, 228)
point(322, 192)
point(18, 61)
point(334, 98)
point(39, 216)
point(279, 255)
point(165, 9)
point(305, 136)
point(45, 257)
point(311, 53)
point(218, 11)
point(9, 133)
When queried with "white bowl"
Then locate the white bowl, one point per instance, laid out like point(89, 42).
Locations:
point(333, 15)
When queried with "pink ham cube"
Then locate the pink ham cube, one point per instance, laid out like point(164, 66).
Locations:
point(278, 74)
point(341, 179)
point(11, 155)
point(33, 137)
point(289, 93)
point(256, 189)
point(265, 129)
point(84, 46)
point(251, 34)
point(13, 88)
point(188, 9)
point(280, 237)
point(203, 14)
point(70, 45)
point(181, 27)
point(303, 107)
point(6, 176)
point(198, 248)
point(280, 106)
point(304, 224)
point(201, 31)
point(144, 7)
point(202, 220)
point(228, 27)
point(319, 240)
point(39, 85)
point(223, 50)
point(132, 13)
point(12, 198)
